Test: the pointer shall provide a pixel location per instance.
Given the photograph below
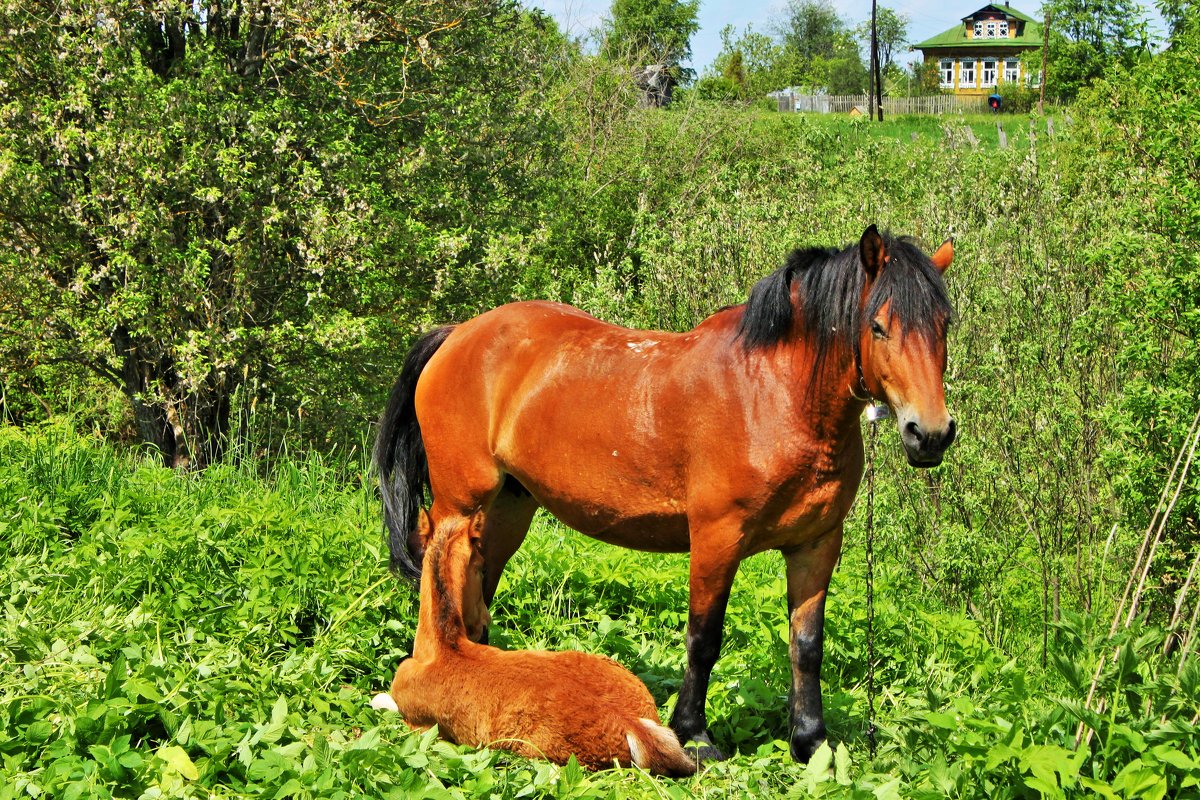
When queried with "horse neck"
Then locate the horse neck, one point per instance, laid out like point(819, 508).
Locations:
point(440, 625)
point(827, 401)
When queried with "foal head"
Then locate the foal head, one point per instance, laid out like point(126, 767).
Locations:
point(452, 577)
point(902, 340)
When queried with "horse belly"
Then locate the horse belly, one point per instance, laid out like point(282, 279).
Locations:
point(602, 455)
point(607, 502)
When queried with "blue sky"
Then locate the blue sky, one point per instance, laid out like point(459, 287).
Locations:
point(926, 18)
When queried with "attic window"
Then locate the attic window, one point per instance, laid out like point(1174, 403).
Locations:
point(991, 29)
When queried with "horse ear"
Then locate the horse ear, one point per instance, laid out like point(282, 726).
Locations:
point(943, 255)
point(872, 251)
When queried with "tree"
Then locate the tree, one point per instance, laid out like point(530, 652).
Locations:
point(921, 79)
point(892, 32)
point(209, 198)
point(1087, 38)
point(822, 48)
point(660, 29)
point(765, 64)
point(812, 28)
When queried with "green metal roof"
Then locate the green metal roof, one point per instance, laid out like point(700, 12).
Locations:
point(1031, 33)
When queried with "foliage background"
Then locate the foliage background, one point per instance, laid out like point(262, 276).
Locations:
point(183, 632)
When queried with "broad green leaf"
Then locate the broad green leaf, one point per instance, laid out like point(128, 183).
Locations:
point(178, 759)
point(841, 761)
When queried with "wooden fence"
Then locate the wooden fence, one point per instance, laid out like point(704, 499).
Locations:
point(842, 104)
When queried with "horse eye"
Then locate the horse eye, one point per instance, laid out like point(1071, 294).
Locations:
point(878, 330)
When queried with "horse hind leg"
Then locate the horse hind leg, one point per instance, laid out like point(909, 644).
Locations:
point(506, 524)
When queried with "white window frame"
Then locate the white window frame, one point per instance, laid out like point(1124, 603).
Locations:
point(1012, 70)
point(987, 77)
point(963, 65)
point(979, 29)
point(1003, 28)
point(989, 29)
point(946, 73)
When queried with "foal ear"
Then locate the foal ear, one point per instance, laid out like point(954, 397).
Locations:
point(872, 251)
point(424, 524)
point(418, 540)
point(943, 255)
point(476, 529)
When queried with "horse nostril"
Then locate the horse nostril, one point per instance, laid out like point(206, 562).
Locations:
point(951, 432)
point(913, 431)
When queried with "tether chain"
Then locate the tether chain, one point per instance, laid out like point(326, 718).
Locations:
point(871, 587)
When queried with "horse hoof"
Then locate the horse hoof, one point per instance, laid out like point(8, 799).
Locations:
point(701, 748)
point(803, 748)
point(384, 702)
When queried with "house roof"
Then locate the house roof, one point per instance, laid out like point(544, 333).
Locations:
point(1030, 33)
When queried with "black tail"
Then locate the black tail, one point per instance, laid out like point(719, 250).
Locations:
point(400, 457)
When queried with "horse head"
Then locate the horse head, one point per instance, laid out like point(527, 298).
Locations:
point(902, 341)
point(456, 574)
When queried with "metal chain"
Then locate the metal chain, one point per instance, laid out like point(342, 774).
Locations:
point(871, 587)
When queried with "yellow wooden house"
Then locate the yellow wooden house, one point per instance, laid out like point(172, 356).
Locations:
point(983, 51)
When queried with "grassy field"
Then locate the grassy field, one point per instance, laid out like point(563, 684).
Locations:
point(220, 636)
point(948, 129)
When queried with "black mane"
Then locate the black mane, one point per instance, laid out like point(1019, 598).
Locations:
point(829, 286)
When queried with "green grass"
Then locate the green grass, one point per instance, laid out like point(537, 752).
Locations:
point(220, 635)
point(945, 130)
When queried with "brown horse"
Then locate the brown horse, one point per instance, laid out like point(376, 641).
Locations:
point(535, 703)
point(739, 436)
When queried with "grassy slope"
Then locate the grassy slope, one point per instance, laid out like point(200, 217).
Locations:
point(174, 635)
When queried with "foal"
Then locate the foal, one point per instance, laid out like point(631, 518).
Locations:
point(538, 704)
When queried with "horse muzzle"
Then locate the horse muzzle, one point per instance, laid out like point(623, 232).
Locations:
point(925, 446)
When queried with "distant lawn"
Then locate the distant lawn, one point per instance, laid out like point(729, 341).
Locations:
point(931, 127)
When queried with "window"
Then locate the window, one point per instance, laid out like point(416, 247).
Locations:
point(946, 73)
point(989, 73)
point(1034, 80)
point(966, 74)
point(1012, 70)
point(991, 29)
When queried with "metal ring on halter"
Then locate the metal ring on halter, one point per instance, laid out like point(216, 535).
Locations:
point(866, 397)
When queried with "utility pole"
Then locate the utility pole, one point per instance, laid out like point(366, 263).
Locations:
point(876, 83)
point(1045, 50)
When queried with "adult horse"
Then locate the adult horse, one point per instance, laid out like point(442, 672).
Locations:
point(739, 436)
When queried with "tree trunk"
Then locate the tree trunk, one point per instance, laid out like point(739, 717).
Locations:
point(189, 426)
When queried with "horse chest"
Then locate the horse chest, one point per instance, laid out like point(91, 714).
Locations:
point(800, 500)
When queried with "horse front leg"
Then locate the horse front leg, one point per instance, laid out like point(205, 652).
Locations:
point(711, 574)
point(809, 569)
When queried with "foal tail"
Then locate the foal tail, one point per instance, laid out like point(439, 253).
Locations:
point(656, 750)
point(400, 457)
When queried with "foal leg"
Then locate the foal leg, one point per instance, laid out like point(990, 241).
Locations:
point(711, 574)
point(809, 568)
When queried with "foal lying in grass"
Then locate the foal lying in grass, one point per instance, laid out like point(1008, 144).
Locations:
point(537, 704)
